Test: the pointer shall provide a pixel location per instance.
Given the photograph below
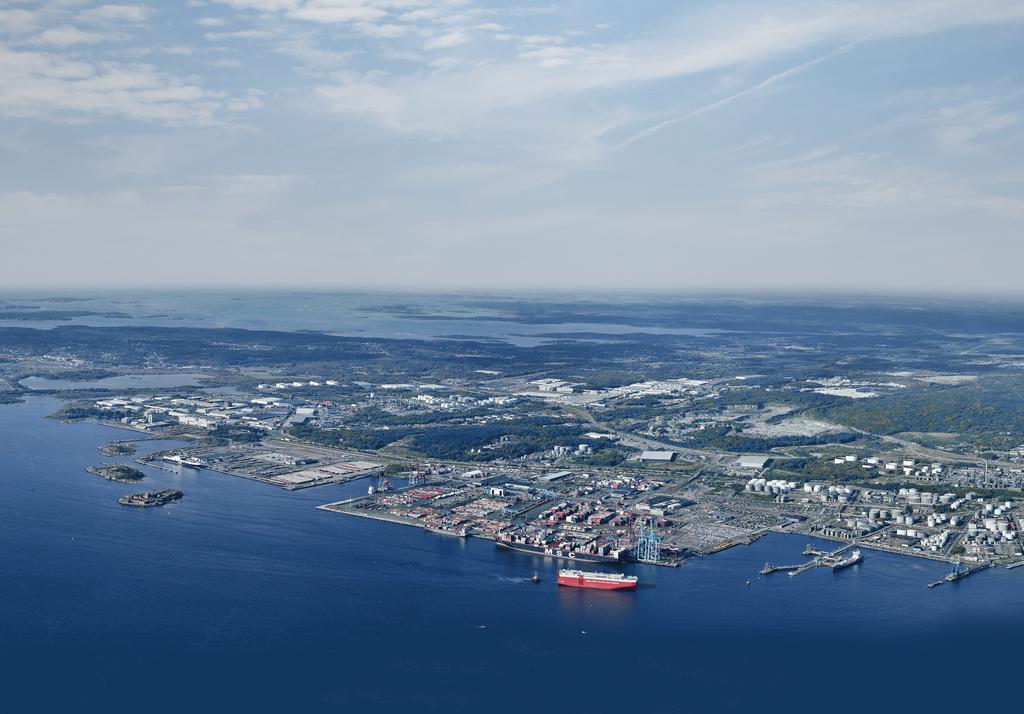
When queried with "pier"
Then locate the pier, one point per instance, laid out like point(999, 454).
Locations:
point(768, 568)
point(811, 550)
point(821, 559)
point(959, 573)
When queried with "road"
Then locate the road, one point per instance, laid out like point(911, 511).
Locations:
point(645, 443)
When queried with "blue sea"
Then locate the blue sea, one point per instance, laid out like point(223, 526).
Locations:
point(243, 597)
point(367, 315)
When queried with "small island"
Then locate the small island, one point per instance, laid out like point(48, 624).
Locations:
point(117, 472)
point(119, 448)
point(149, 499)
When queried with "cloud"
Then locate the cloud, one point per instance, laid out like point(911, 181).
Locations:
point(331, 12)
point(719, 38)
point(960, 127)
point(115, 13)
point(968, 118)
point(238, 35)
point(66, 36)
point(254, 185)
point(365, 98)
point(447, 40)
point(764, 84)
point(42, 84)
point(383, 31)
point(349, 11)
point(16, 20)
point(263, 5)
point(431, 135)
point(872, 186)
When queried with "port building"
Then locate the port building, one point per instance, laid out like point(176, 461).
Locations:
point(662, 456)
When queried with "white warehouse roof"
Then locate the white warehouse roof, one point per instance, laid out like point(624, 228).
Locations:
point(658, 456)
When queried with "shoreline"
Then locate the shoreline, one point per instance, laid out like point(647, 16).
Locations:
point(342, 508)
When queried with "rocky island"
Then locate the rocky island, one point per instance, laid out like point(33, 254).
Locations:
point(118, 448)
point(117, 472)
point(149, 499)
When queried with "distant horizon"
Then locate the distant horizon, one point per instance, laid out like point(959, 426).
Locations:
point(568, 295)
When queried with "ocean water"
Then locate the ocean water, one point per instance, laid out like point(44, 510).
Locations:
point(243, 597)
point(347, 314)
point(124, 381)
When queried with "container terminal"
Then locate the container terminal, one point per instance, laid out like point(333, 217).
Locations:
point(604, 519)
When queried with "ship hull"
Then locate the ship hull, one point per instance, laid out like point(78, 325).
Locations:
point(539, 550)
point(847, 562)
point(595, 584)
point(445, 531)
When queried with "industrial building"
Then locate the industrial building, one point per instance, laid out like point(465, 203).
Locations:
point(663, 456)
point(753, 462)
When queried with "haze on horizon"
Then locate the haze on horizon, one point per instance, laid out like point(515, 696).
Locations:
point(480, 144)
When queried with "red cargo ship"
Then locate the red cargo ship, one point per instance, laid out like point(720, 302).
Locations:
point(600, 581)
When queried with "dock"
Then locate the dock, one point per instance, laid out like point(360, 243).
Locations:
point(821, 559)
point(959, 573)
point(746, 539)
point(769, 568)
point(811, 550)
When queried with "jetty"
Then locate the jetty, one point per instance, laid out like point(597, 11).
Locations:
point(821, 559)
point(770, 568)
point(958, 572)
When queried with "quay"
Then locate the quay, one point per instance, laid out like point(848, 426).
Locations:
point(350, 507)
point(906, 551)
point(869, 545)
point(747, 539)
point(344, 507)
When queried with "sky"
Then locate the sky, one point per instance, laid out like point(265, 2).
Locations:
point(683, 145)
